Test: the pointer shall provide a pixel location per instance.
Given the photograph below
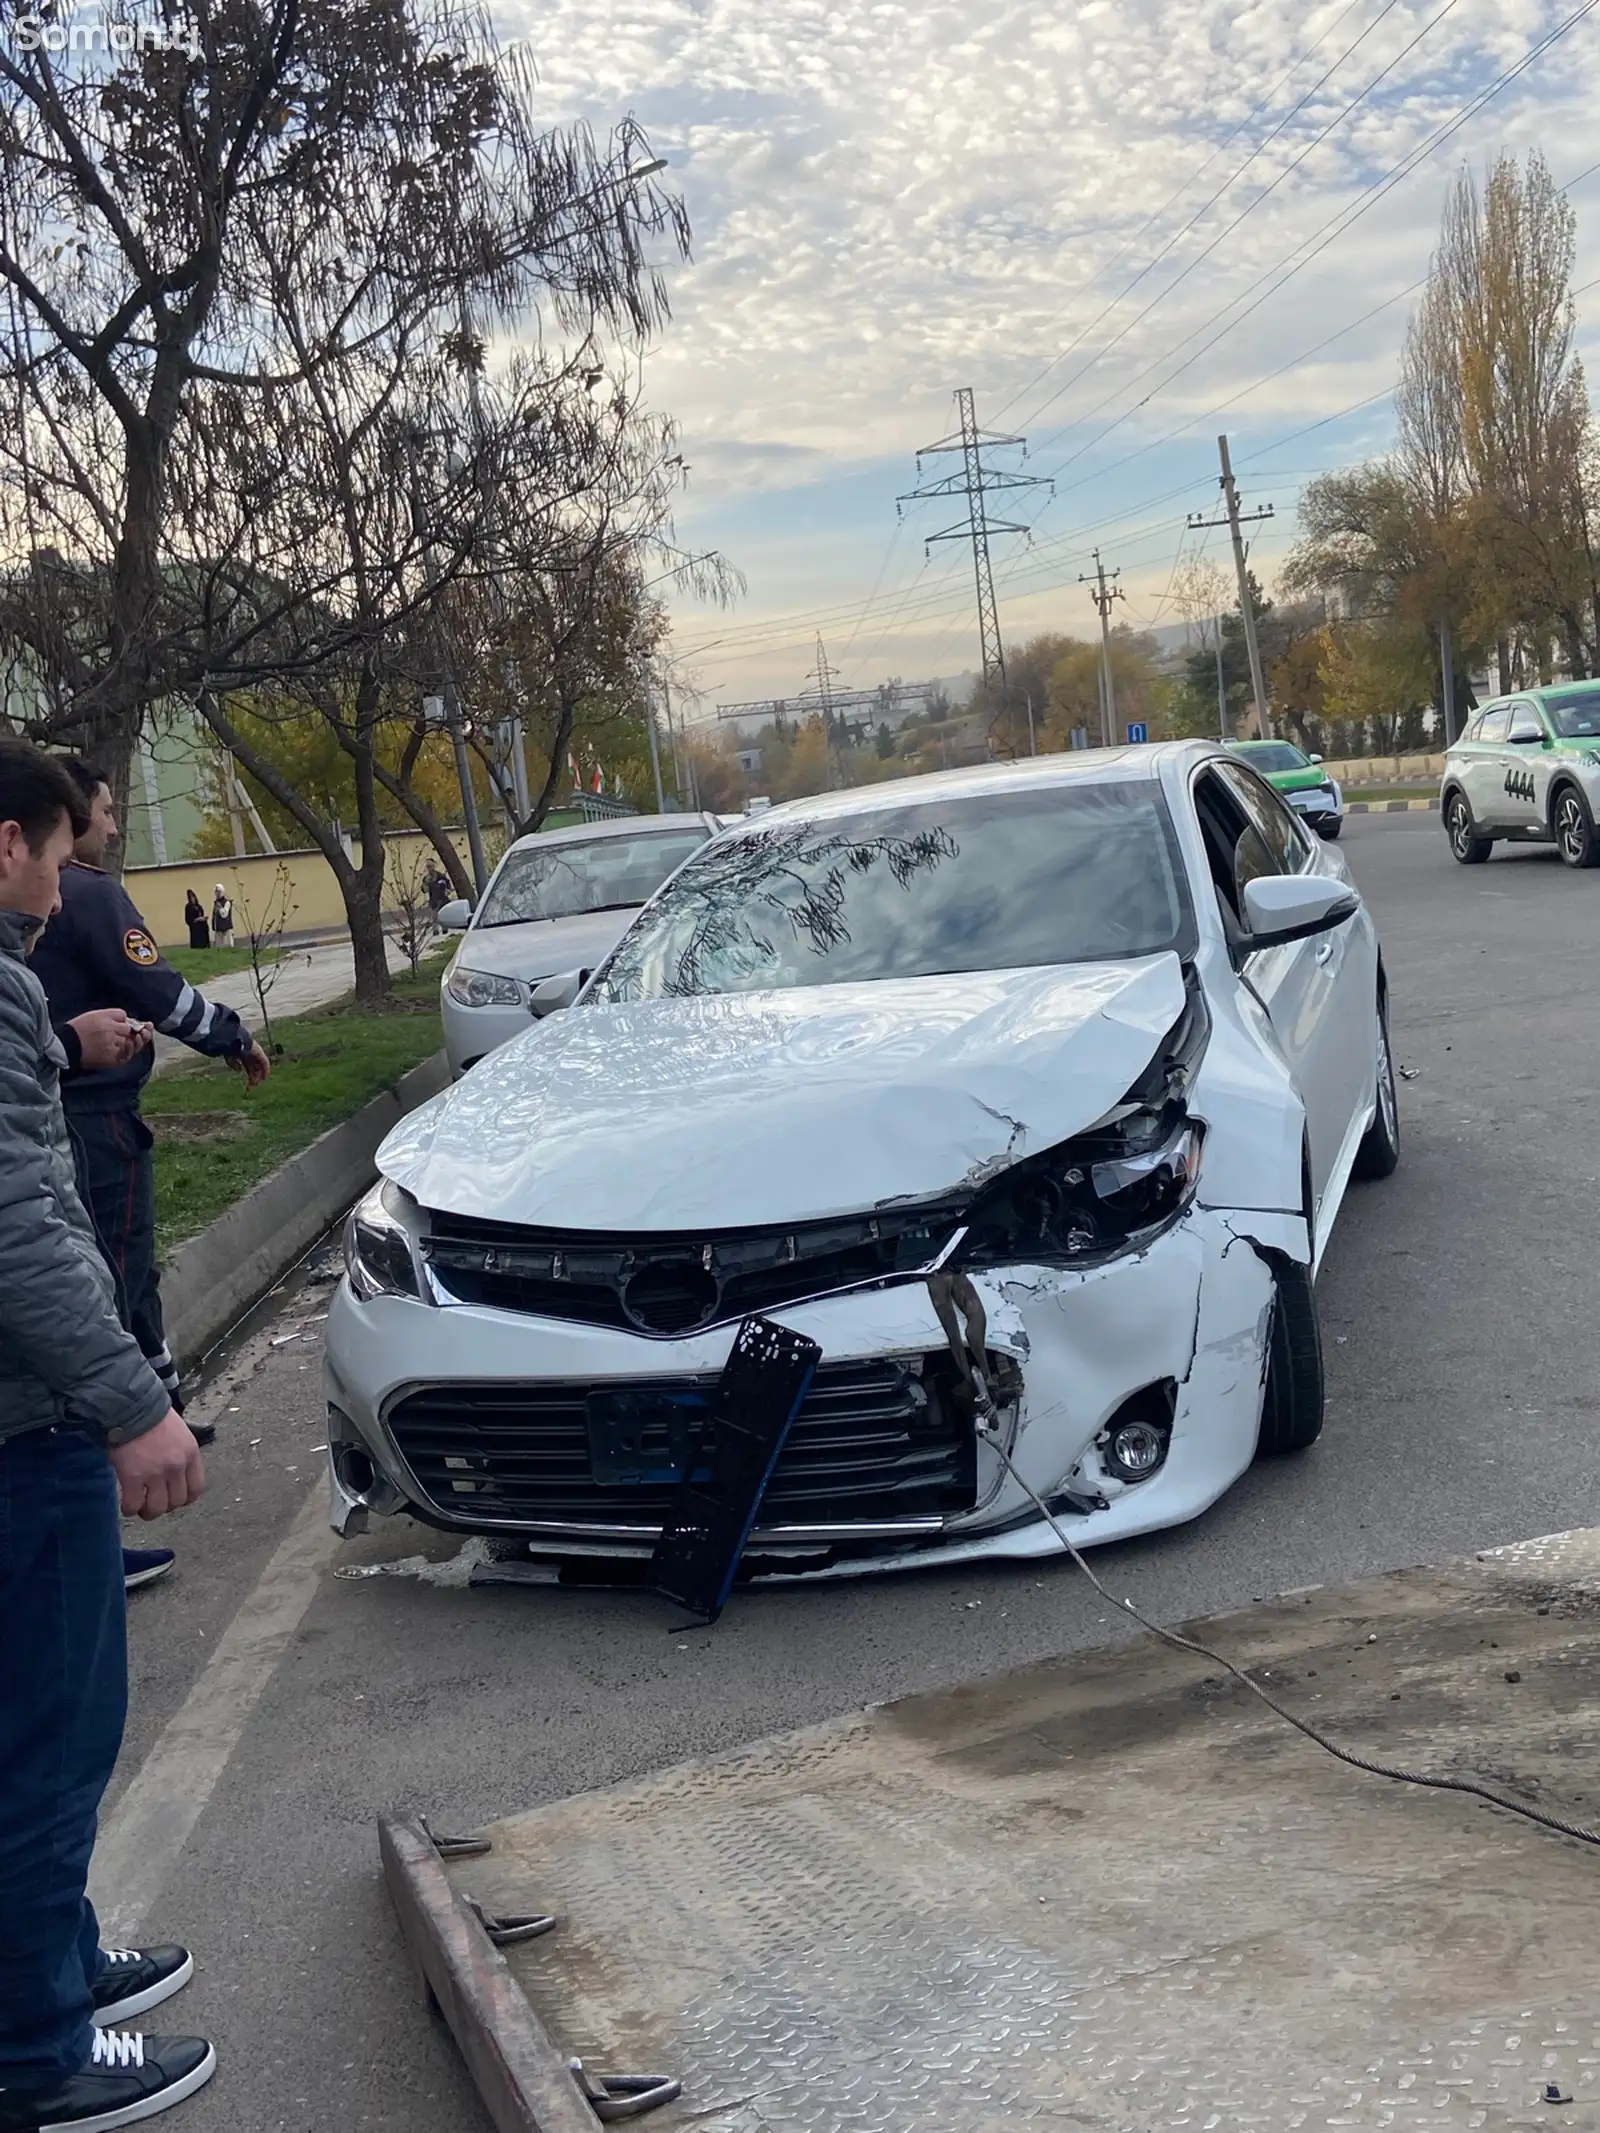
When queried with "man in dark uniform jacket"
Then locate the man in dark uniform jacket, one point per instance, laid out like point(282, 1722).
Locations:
point(97, 952)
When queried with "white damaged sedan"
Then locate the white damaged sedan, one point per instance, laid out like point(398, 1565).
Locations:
point(1095, 1041)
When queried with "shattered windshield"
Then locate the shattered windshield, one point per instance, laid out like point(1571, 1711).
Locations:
point(609, 874)
point(993, 881)
point(1575, 717)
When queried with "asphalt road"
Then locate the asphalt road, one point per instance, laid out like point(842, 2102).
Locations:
point(1463, 1340)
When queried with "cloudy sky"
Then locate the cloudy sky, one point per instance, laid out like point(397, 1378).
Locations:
point(1125, 226)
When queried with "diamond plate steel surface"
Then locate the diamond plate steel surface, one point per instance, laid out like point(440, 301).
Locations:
point(1112, 1892)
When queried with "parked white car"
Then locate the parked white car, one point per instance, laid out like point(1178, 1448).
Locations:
point(558, 901)
point(1102, 1037)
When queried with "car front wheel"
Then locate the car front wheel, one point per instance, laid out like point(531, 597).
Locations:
point(1380, 1144)
point(1465, 843)
point(1574, 826)
point(1330, 829)
point(1291, 1407)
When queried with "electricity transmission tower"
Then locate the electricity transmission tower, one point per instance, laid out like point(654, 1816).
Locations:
point(1105, 591)
point(825, 675)
point(1233, 519)
point(975, 481)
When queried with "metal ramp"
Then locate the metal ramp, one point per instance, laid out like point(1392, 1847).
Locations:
point(1112, 1892)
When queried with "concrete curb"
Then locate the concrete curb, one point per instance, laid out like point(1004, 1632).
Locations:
point(1390, 807)
point(213, 1279)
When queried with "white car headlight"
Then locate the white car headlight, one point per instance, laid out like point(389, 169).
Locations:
point(482, 988)
point(377, 1246)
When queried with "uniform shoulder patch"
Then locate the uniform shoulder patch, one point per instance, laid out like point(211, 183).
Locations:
point(139, 948)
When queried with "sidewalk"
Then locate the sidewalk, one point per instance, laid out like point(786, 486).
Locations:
point(306, 978)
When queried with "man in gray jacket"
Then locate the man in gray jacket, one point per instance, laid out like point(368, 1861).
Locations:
point(85, 1423)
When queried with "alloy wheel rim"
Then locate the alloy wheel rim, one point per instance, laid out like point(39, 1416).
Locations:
point(1571, 828)
point(1388, 1103)
point(1460, 827)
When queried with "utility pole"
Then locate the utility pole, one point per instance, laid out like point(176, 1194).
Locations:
point(1234, 520)
point(655, 747)
point(450, 701)
point(1222, 689)
point(1447, 675)
point(1105, 590)
point(974, 483)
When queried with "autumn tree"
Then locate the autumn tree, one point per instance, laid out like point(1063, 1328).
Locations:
point(384, 165)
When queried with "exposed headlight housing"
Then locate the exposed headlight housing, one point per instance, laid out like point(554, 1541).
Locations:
point(1105, 1193)
point(377, 1245)
point(483, 988)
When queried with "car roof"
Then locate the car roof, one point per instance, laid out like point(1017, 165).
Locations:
point(613, 826)
point(1144, 763)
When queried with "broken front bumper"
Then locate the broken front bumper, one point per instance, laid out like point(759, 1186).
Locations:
point(485, 1421)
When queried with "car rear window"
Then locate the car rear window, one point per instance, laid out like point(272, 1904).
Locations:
point(990, 881)
point(566, 880)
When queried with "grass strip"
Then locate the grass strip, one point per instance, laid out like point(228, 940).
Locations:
point(215, 1140)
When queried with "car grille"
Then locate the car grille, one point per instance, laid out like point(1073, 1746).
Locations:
point(664, 1286)
point(873, 1442)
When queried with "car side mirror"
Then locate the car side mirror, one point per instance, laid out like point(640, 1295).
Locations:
point(1526, 740)
point(1291, 907)
point(1316, 759)
point(455, 917)
point(556, 993)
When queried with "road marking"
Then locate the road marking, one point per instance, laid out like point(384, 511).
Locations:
point(155, 1818)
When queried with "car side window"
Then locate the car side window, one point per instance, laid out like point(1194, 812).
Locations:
point(1279, 833)
point(1525, 724)
point(1235, 849)
point(1495, 723)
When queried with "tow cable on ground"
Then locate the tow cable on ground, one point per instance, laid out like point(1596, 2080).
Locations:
point(962, 1315)
point(1431, 1779)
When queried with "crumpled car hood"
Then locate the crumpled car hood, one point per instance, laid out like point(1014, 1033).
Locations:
point(748, 1109)
point(546, 947)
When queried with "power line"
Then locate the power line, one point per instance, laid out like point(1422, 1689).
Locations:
point(975, 481)
point(755, 636)
point(1172, 199)
point(1265, 194)
point(1312, 247)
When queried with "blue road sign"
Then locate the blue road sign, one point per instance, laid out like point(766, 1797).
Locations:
point(1137, 734)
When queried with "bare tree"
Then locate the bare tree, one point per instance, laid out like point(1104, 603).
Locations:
point(412, 925)
point(266, 920)
point(156, 199)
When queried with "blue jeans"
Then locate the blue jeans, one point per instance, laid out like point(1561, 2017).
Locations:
point(63, 1699)
point(112, 1154)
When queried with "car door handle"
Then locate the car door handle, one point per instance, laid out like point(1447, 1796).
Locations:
point(1325, 951)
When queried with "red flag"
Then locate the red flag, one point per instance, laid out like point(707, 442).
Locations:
point(598, 782)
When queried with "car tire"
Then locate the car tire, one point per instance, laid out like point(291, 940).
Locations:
point(1380, 1144)
point(1574, 829)
point(1329, 831)
point(1292, 1402)
point(1467, 846)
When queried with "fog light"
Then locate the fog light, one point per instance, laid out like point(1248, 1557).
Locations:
point(355, 1469)
point(1136, 1450)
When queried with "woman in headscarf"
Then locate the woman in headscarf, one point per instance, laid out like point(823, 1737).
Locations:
point(194, 917)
